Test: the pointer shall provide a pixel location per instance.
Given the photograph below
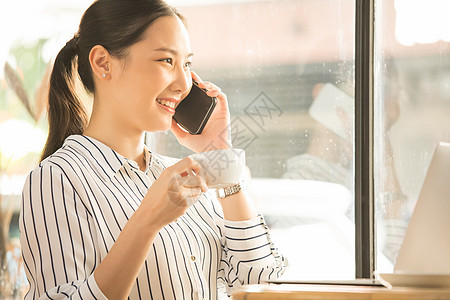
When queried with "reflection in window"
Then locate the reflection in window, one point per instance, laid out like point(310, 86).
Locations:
point(412, 105)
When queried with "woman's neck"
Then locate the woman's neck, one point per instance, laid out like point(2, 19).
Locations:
point(128, 143)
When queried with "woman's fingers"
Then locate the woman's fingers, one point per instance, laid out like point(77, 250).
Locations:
point(184, 197)
point(193, 180)
point(184, 165)
point(185, 194)
point(177, 188)
point(192, 195)
point(185, 185)
point(212, 89)
point(196, 77)
point(215, 93)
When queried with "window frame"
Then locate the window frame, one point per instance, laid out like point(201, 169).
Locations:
point(364, 139)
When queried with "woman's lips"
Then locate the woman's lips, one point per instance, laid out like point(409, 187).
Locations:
point(168, 104)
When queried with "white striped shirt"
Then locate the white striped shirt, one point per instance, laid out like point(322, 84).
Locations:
point(75, 204)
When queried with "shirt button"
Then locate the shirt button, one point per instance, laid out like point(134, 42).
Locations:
point(192, 257)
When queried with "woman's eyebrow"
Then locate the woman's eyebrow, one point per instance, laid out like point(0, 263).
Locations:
point(172, 51)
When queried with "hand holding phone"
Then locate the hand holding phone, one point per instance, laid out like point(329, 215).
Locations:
point(194, 111)
point(326, 109)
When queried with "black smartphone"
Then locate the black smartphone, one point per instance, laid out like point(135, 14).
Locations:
point(194, 111)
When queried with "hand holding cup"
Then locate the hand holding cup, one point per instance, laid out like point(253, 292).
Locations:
point(177, 188)
point(221, 168)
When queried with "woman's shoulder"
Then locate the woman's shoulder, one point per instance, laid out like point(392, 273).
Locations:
point(63, 161)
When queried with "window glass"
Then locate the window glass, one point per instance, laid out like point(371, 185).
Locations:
point(412, 105)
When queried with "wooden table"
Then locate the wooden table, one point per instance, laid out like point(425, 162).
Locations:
point(325, 292)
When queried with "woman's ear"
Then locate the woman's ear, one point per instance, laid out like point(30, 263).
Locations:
point(100, 61)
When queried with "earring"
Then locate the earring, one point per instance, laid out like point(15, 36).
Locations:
point(103, 75)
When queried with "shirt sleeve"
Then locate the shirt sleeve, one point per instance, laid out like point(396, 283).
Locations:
point(57, 238)
point(392, 232)
point(248, 254)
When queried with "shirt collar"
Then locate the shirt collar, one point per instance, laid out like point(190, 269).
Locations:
point(105, 160)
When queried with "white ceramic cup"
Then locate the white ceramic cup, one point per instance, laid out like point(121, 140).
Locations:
point(221, 168)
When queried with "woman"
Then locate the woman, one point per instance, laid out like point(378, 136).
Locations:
point(104, 218)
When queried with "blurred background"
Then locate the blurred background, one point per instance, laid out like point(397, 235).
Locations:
point(287, 68)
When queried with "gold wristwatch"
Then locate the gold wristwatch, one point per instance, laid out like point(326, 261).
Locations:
point(228, 191)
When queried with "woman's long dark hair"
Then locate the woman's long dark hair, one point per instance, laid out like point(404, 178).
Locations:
point(113, 24)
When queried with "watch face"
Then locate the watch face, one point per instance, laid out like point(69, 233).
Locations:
point(228, 191)
point(220, 193)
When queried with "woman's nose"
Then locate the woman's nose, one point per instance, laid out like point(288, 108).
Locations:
point(182, 81)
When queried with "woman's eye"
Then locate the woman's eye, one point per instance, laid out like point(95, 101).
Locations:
point(188, 64)
point(167, 60)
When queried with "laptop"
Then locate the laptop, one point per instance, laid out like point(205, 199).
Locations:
point(424, 257)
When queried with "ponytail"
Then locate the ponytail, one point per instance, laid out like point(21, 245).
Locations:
point(66, 113)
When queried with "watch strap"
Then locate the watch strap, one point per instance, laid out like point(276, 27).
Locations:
point(228, 191)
